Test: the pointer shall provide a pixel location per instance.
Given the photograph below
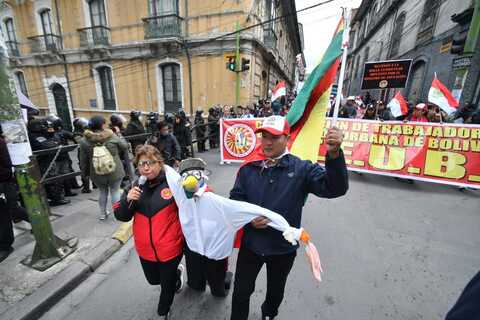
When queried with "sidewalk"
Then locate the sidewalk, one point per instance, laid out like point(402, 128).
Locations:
point(26, 293)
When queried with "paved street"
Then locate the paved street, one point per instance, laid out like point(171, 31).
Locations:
point(389, 250)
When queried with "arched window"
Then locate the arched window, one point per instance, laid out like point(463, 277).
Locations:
point(427, 22)
point(21, 82)
point(106, 86)
point(11, 37)
point(397, 34)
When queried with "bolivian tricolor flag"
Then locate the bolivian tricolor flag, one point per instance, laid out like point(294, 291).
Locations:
point(307, 114)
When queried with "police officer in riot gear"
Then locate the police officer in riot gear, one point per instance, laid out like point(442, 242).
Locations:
point(64, 162)
point(170, 120)
point(42, 136)
point(181, 131)
point(213, 127)
point(79, 127)
point(167, 144)
point(152, 121)
point(117, 123)
point(200, 130)
point(135, 127)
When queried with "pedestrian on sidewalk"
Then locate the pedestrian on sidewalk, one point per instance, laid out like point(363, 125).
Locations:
point(156, 228)
point(98, 137)
point(280, 182)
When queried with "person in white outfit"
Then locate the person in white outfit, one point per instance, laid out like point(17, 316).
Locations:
point(210, 223)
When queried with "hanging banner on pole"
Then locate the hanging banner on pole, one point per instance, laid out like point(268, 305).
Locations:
point(432, 152)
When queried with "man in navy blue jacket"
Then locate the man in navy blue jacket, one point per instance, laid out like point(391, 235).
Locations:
point(281, 183)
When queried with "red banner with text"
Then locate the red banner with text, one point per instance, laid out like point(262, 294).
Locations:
point(442, 153)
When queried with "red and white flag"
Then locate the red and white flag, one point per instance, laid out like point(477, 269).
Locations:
point(279, 90)
point(398, 106)
point(442, 97)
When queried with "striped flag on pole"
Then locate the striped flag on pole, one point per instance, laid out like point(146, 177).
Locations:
point(307, 115)
point(442, 97)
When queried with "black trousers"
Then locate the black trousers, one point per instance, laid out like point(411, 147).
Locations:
point(248, 267)
point(165, 275)
point(6, 228)
point(9, 210)
point(201, 270)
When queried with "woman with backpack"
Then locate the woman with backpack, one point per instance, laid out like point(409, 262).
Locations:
point(100, 151)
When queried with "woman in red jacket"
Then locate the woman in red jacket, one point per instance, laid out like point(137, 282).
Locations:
point(156, 229)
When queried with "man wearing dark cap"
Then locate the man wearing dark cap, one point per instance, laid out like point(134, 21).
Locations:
point(279, 181)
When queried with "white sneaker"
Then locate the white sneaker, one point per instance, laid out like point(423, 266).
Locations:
point(180, 280)
point(103, 216)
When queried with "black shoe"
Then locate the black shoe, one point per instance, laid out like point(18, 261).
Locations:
point(84, 190)
point(180, 280)
point(228, 280)
point(57, 203)
point(70, 194)
point(5, 253)
point(267, 318)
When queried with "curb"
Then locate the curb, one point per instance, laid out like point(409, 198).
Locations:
point(46, 296)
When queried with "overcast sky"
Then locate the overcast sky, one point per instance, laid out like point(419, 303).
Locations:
point(318, 26)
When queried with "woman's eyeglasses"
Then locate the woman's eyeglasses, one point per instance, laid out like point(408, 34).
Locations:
point(147, 163)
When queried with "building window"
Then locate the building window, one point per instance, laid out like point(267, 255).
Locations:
point(172, 87)
point(49, 37)
point(11, 37)
point(10, 28)
point(163, 7)
point(427, 22)
point(357, 67)
point(97, 13)
point(106, 84)
point(415, 93)
point(397, 35)
point(45, 17)
point(21, 83)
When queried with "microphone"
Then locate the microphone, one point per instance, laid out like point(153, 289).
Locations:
point(140, 183)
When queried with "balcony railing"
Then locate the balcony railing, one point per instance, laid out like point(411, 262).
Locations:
point(46, 42)
point(12, 48)
point(94, 36)
point(270, 39)
point(170, 25)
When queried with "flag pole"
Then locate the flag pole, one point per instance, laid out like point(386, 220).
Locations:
point(345, 35)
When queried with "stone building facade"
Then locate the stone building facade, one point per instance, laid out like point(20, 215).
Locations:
point(82, 57)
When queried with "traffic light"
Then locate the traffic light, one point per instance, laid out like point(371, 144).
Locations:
point(458, 43)
point(245, 64)
point(231, 64)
